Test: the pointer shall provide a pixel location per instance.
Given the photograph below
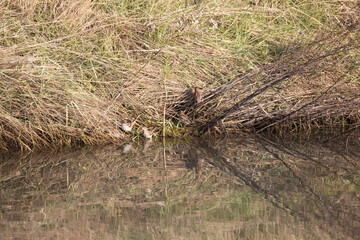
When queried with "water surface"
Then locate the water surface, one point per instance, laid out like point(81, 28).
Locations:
point(249, 188)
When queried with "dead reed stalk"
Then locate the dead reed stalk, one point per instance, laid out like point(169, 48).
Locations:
point(262, 99)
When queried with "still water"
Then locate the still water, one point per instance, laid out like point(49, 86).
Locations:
point(249, 188)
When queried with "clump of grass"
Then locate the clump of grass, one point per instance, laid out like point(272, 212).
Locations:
point(72, 70)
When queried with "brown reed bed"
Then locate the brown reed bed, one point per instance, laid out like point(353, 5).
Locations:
point(72, 71)
point(272, 96)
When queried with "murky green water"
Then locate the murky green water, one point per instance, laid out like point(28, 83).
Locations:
point(250, 188)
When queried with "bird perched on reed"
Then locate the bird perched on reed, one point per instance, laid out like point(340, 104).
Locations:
point(184, 118)
point(126, 126)
point(127, 148)
point(147, 134)
point(198, 99)
point(199, 165)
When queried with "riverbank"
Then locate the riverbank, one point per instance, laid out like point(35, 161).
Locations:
point(72, 71)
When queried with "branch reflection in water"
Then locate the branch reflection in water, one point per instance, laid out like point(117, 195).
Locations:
point(253, 188)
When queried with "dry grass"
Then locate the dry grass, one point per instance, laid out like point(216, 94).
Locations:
point(70, 71)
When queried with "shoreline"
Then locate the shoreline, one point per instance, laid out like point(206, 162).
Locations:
point(70, 74)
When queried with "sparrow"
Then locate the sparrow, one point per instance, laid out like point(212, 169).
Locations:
point(146, 133)
point(184, 118)
point(199, 165)
point(127, 127)
point(127, 148)
point(198, 99)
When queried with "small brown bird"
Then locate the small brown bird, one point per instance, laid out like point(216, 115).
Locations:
point(199, 165)
point(147, 134)
point(184, 118)
point(127, 148)
point(127, 127)
point(197, 96)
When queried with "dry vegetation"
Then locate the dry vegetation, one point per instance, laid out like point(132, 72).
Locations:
point(70, 71)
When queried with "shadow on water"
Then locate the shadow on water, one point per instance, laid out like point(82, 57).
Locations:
point(250, 188)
